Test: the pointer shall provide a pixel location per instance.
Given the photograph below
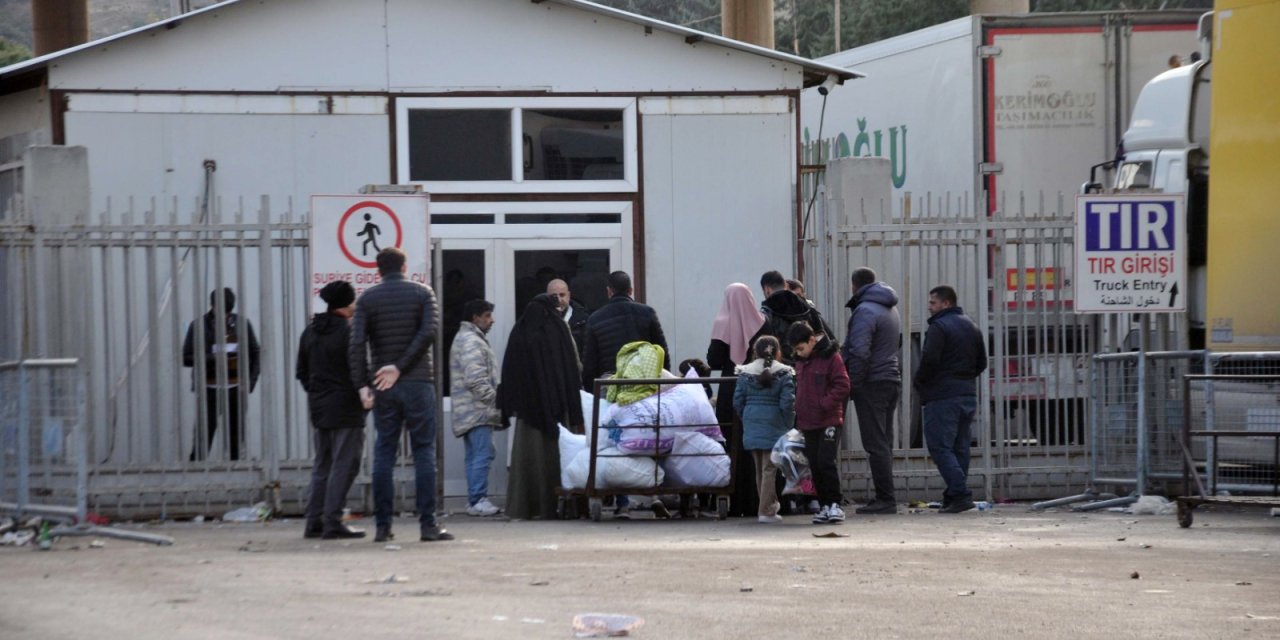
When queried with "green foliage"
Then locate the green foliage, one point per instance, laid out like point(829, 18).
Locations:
point(12, 52)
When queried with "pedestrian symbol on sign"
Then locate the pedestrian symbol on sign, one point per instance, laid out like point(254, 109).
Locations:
point(376, 217)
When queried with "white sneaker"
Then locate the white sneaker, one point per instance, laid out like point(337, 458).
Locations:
point(835, 514)
point(483, 508)
point(822, 517)
point(774, 519)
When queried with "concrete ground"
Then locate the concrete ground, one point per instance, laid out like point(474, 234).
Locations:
point(1011, 572)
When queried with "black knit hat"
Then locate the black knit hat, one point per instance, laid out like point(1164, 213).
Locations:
point(338, 294)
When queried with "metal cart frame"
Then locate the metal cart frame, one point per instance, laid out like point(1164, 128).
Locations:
point(595, 495)
point(1188, 504)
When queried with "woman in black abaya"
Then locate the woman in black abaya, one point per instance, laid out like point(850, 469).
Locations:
point(541, 379)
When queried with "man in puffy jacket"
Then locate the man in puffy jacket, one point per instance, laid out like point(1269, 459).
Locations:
point(618, 322)
point(473, 390)
point(870, 355)
point(393, 329)
point(953, 357)
point(336, 410)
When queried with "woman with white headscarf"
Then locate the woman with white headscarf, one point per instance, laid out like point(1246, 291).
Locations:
point(736, 323)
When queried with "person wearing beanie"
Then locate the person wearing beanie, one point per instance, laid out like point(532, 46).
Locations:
point(337, 413)
point(222, 337)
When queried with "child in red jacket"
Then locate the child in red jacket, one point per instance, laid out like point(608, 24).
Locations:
point(822, 388)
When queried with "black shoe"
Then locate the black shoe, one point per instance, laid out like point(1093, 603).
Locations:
point(958, 507)
point(877, 507)
point(313, 530)
point(435, 534)
point(660, 510)
point(383, 533)
point(343, 532)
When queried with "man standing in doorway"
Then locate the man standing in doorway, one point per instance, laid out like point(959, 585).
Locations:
point(473, 389)
point(573, 312)
point(620, 321)
point(870, 355)
point(954, 356)
point(221, 346)
point(394, 328)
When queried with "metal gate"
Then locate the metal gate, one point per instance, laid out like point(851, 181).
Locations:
point(1011, 264)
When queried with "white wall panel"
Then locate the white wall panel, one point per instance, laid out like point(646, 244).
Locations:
point(281, 156)
point(415, 46)
point(23, 111)
point(718, 209)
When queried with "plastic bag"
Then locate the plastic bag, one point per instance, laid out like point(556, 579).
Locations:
point(571, 444)
point(696, 461)
point(256, 513)
point(614, 470)
point(788, 455)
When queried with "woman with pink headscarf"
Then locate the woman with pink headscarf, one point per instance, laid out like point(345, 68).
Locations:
point(737, 322)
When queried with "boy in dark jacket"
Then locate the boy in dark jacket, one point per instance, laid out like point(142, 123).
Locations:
point(822, 387)
point(337, 413)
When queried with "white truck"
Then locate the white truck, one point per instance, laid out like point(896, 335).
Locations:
point(1008, 109)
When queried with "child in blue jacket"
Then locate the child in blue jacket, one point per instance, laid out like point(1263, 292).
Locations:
point(765, 398)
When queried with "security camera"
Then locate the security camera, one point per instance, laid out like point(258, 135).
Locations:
point(827, 84)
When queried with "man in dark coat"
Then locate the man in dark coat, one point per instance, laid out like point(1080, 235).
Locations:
point(783, 308)
point(394, 328)
point(222, 347)
point(953, 357)
point(336, 410)
point(620, 321)
point(574, 313)
point(870, 355)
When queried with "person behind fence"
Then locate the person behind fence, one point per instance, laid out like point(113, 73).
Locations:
point(731, 333)
point(222, 345)
point(822, 388)
point(541, 386)
point(765, 398)
point(620, 321)
point(337, 413)
point(953, 357)
point(393, 330)
point(870, 355)
point(473, 390)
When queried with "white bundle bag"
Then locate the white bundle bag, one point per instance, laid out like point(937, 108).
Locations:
point(696, 461)
point(678, 408)
point(614, 468)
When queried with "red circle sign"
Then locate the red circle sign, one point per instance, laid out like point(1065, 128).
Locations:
point(342, 224)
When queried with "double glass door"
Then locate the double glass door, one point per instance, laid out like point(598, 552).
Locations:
point(509, 272)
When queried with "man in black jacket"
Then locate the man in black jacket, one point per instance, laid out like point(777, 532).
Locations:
point(574, 313)
point(336, 410)
point(870, 355)
point(783, 308)
point(954, 356)
point(618, 322)
point(394, 328)
point(221, 339)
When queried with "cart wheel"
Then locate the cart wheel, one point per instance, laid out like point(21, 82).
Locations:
point(1185, 515)
point(722, 508)
point(596, 507)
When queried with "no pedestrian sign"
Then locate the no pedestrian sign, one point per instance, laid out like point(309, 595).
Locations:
point(347, 232)
point(1130, 254)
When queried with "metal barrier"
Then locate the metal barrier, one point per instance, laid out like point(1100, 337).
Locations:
point(1141, 409)
point(44, 468)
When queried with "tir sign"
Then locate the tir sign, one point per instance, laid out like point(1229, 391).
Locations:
point(1123, 226)
point(1130, 254)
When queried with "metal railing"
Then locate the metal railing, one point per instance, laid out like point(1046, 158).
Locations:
point(43, 465)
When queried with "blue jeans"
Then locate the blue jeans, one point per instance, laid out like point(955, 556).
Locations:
point(947, 434)
point(409, 405)
point(479, 455)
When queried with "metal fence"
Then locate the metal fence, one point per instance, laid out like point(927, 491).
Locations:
point(1142, 407)
point(43, 465)
point(1240, 417)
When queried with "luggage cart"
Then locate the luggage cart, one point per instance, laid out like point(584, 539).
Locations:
point(595, 495)
point(1218, 408)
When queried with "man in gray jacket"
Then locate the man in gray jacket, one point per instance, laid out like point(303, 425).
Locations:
point(393, 328)
point(473, 390)
point(870, 355)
